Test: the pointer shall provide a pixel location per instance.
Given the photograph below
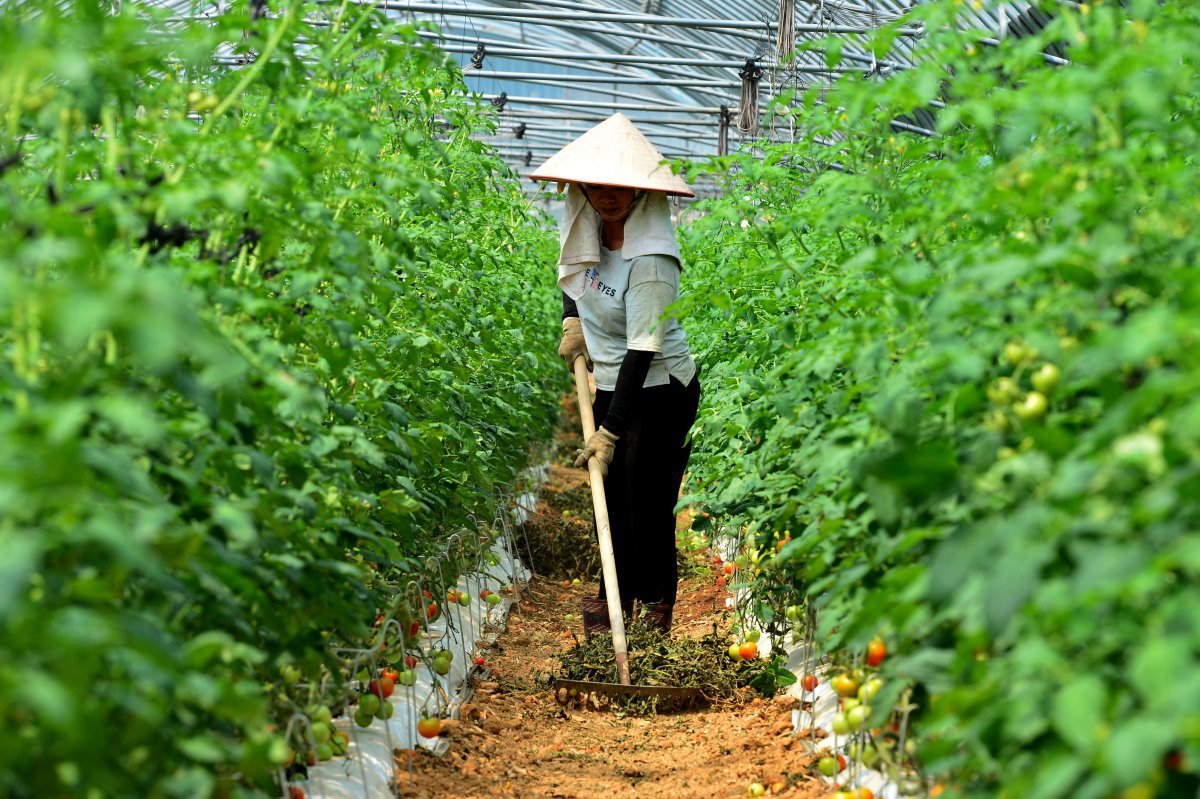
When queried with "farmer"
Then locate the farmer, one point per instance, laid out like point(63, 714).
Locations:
point(619, 270)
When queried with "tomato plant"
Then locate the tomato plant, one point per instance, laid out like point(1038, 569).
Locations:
point(975, 413)
point(265, 349)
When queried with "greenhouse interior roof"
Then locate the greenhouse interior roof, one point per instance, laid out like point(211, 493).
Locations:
point(694, 75)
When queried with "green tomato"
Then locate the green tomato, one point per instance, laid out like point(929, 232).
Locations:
point(369, 703)
point(324, 752)
point(753, 635)
point(321, 732)
point(794, 613)
point(997, 421)
point(840, 724)
point(362, 718)
point(494, 599)
point(290, 674)
point(869, 689)
point(441, 665)
point(323, 714)
point(735, 652)
point(857, 717)
point(407, 677)
point(1046, 378)
point(1032, 408)
point(464, 598)
point(1018, 353)
point(1003, 390)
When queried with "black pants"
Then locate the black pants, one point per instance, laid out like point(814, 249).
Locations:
point(642, 488)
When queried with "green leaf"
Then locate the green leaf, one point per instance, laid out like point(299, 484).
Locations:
point(1079, 712)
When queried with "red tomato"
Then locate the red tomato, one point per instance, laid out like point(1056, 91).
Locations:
point(382, 687)
point(721, 580)
point(431, 611)
point(414, 629)
point(729, 568)
point(876, 652)
point(479, 660)
point(295, 792)
point(410, 661)
point(390, 673)
point(810, 682)
point(429, 727)
point(748, 650)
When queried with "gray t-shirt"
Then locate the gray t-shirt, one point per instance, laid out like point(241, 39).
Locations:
point(621, 309)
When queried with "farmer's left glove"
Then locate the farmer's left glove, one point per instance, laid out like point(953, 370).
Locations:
point(601, 444)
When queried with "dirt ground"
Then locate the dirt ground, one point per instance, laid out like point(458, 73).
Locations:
point(514, 740)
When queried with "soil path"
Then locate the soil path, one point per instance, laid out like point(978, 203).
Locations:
point(514, 740)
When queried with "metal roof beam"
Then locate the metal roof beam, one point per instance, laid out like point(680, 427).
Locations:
point(579, 117)
point(664, 102)
point(557, 134)
point(627, 19)
point(496, 47)
point(555, 103)
point(673, 41)
point(569, 79)
point(559, 55)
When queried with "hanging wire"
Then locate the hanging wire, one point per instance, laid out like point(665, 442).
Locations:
point(750, 74)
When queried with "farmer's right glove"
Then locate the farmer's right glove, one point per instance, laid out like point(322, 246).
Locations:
point(601, 444)
point(572, 344)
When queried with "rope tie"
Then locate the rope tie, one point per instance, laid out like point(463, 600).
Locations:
point(499, 102)
point(723, 131)
point(520, 130)
point(748, 109)
point(785, 38)
point(528, 157)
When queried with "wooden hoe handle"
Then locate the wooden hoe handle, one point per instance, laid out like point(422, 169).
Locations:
point(608, 561)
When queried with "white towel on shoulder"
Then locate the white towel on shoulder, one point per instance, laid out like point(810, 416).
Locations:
point(648, 231)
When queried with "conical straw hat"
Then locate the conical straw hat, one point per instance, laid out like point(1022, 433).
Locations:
point(614, 153)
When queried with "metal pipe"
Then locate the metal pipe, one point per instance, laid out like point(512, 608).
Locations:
point(658, 38)
point(557, 135)
point(567, 78)
point(524, 114)
point(634, 19)
point(559, 55)
point(597, 68)
point(667, 104)
point(595, 15)
point(696, 109)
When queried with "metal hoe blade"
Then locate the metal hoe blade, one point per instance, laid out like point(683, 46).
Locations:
point(563, 691)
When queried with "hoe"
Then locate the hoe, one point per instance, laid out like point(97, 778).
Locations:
point(564, 689)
